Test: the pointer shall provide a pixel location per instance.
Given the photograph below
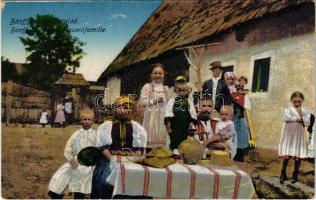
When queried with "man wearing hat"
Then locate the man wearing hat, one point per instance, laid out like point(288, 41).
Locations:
point(113, 136)
point(216, 87)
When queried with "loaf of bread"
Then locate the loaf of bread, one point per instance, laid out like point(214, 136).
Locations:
point(221, 158)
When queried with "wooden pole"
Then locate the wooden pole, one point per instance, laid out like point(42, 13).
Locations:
point(199, 77)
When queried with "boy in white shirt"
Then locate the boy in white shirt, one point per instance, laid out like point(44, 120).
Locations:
point(77, 177)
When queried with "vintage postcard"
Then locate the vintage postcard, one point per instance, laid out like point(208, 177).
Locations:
point(191, 99)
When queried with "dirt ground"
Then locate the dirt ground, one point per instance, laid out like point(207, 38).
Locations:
point(32, 154)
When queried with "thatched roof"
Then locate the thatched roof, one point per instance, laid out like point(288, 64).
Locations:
point(72, 79)
point(179, 23)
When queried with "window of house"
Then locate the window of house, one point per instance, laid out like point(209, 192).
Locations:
point(260, 78)
point(229, 68)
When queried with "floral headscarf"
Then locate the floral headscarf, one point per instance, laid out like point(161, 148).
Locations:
point(229, 75)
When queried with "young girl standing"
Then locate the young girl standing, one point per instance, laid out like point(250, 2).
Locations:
point(44, 117)
point(294, 140)
point(60, 115)
point(153, 98)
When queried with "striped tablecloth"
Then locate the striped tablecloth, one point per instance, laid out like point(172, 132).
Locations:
point(179, 181)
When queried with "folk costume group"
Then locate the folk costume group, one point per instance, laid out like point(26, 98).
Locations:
point(216, 116)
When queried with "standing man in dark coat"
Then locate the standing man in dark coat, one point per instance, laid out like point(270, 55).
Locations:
point(216, 88)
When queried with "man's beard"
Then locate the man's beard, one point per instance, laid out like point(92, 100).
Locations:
point(204, 116)
point(121, 118)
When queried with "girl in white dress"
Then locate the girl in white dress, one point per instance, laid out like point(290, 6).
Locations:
point(294, 139)
point(153, 98)
point(44, 117)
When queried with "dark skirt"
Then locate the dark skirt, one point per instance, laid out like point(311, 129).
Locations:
point(100, 188)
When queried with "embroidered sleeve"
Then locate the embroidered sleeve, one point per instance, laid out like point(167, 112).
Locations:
point(168, 92)
point(169, 108)
point(232, 141)
point(71, 150)
point(145, 96)
point(139, 135)
point(104, 134)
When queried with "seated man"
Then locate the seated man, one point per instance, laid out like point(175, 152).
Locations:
point(206, 124)
point(113, 136)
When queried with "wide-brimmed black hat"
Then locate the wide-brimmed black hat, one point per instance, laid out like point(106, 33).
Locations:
point(89, 156)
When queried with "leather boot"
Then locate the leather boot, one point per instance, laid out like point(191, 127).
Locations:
point(295, 172)
point(283, 176)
